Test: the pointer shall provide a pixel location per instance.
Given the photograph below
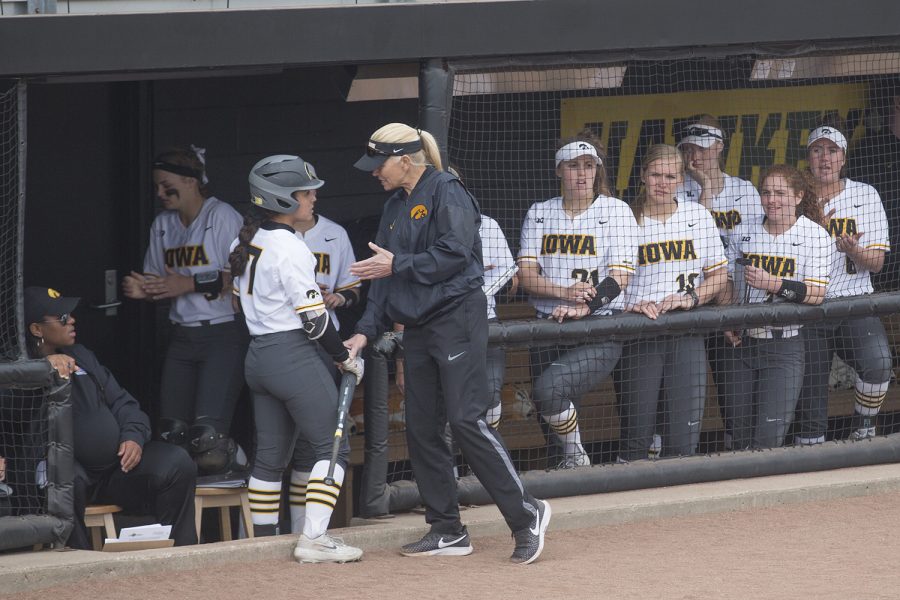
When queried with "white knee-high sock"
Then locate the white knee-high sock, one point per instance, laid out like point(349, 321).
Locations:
point(297, 497)
point(265, 501)
point(565, 425)
point(321, 498)
point(869, 397)
point(493, 415)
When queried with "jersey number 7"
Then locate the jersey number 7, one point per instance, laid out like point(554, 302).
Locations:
point(254, 252)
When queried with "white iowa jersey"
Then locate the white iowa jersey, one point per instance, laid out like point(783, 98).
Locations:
point(738, 202)
point(581, 248)
point(857, 209)
point(279, 281)
point(497, 259)
point(202, 246)
point(802, 253)
point(330, 244)
point(674, 255)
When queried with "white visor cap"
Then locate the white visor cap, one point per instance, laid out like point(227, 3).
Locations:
point(701, 135)
point(576, 149)
point(827, 133)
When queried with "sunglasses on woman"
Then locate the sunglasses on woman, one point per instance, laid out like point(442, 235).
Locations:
point(63, 319)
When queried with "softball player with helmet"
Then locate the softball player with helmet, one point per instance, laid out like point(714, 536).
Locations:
point(857, 222)
point(576, 256)
point(331, 247)
point(187, 262)
point(731, 201)
point(275, 287)
point(784, 256)
point(680, 265)
point(427, 275)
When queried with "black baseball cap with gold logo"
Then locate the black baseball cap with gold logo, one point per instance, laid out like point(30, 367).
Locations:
point(42, 301)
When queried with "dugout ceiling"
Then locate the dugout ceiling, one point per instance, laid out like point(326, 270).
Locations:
point(132, 45)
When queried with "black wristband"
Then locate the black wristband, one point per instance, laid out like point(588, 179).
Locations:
point(350, 298)
point(693, 294)
point(607, 290)
point(208, 282)
point(792, 291)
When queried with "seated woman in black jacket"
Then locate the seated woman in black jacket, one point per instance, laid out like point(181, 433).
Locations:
point(115, 463)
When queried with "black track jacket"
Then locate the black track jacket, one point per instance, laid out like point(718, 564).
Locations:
point(433, 233)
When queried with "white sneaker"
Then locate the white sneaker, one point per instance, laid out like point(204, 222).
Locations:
point(655, 447)
point(325, 549)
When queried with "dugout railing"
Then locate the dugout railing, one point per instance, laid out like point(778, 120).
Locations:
point(386, 487)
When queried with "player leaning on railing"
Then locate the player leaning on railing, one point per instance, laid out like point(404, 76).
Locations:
point(783, 256)
point(681, 265)
point(577, 255)
point(855, 218)
point(731, 201)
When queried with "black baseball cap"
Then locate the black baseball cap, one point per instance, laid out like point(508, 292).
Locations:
point(378, 152)
point(42, 301)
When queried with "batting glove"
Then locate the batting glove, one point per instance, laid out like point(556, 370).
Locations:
point(355, 366)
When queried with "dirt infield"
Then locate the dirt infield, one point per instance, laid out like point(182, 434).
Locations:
point(818, 550)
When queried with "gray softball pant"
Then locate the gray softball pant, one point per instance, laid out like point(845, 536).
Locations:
point(304, 455)
point(293, 395)
point(767, 381)
point(861, 343)
point(201, 377)
point(569, 372)
point(675, 366)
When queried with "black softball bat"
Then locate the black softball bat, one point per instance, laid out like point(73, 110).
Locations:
point(345, 397)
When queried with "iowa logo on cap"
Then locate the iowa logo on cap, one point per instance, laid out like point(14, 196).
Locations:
point(53, 293)
point(256, 200)
point(418, 212)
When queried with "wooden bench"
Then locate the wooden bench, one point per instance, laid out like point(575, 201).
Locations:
point(223, 499)
point(97, 517)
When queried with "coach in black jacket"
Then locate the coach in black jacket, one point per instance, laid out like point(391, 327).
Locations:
point(115, 463)
point(428, 276)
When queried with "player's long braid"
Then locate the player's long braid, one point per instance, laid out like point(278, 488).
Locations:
point(601, 178)
point(801, 182)
point(241, 254)
point(654, 153)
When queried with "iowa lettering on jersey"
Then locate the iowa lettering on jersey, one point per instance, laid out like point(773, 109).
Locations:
point(568, 243)
point(666, 251)
point(841, 226)
point(728, 219)
point(779, 266)
point(323, 262)
point(186, 256)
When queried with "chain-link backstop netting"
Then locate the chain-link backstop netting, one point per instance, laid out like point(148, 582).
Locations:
point(10, 242)
point(577, 168)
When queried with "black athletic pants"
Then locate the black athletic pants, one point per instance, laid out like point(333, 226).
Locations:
point(446, 381)
point(162, 485)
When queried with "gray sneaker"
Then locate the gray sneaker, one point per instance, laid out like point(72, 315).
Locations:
point(530, 541)
point(440, 544)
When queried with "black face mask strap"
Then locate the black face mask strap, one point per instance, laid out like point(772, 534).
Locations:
point(177, 169)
